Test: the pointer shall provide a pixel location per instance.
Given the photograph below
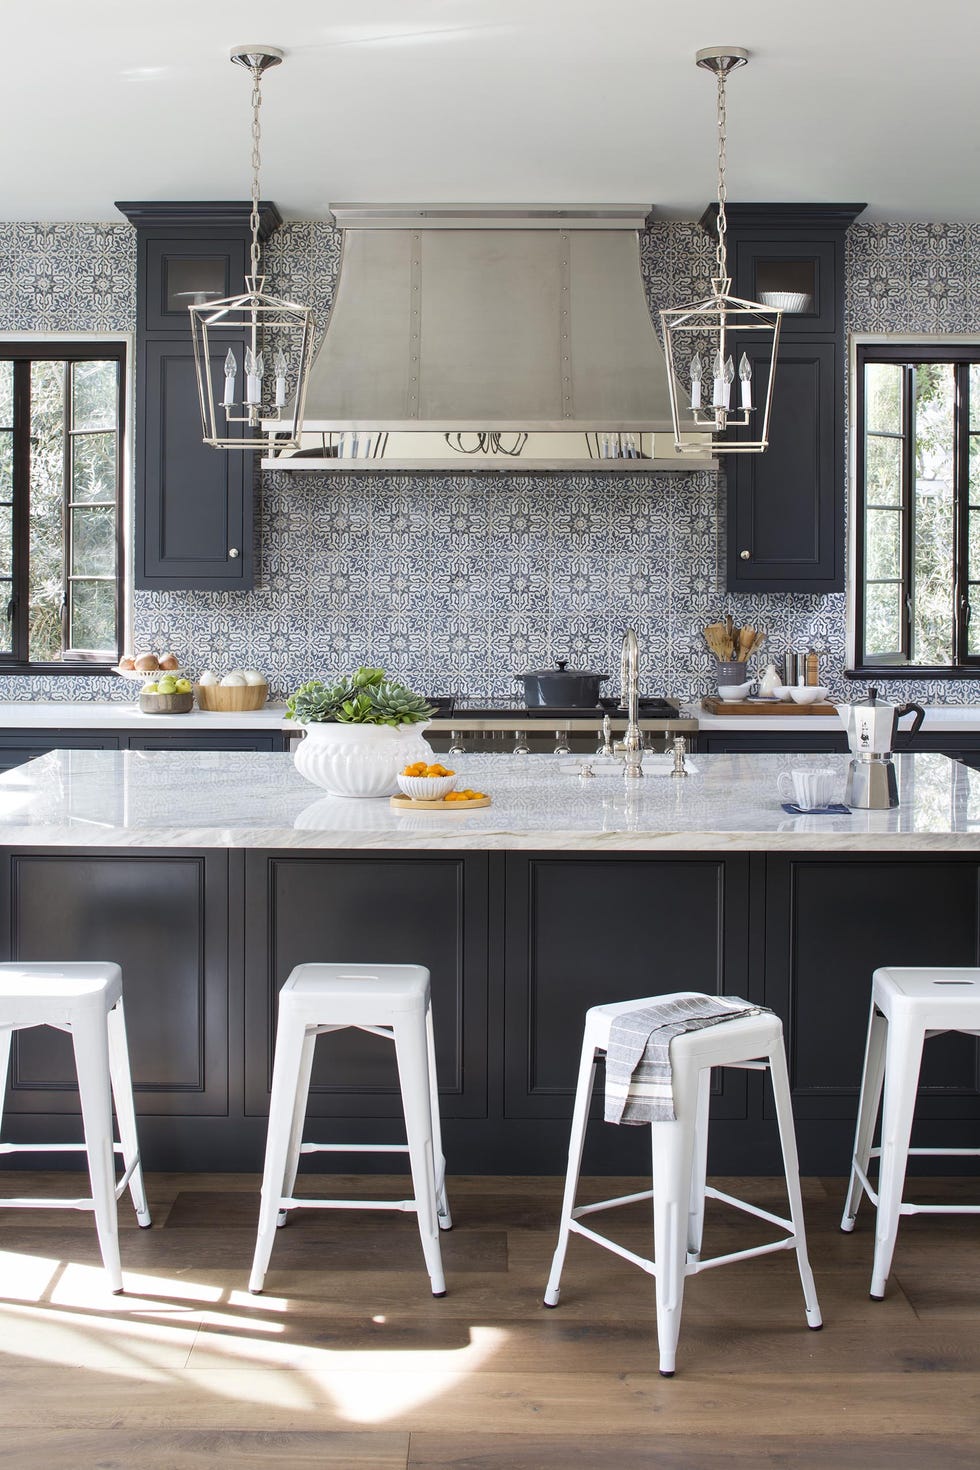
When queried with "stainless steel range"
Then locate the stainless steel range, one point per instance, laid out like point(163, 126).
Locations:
point(459, 727)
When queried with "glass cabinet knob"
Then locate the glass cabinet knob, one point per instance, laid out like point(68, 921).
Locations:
point(745, 555)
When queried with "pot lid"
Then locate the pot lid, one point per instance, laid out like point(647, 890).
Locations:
point(562, 671)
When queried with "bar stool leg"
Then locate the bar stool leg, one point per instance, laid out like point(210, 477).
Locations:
point(903, 1059)
point(699, 1172)
point(872, 1077)
point(673, 1146)
point(298, 1123)
point(442, 1201)
point(122, 1092)
point(90, 1040)
point(290, 1039)
point(411, 1052)
point(779, 1076)
point(576, 1145)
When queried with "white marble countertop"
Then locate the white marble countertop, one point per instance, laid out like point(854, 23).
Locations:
point(116, 715)
point(221, 799)
point(940, 719)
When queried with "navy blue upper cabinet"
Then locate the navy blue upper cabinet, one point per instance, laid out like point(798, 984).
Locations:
point(785, 523)
point(193, 511)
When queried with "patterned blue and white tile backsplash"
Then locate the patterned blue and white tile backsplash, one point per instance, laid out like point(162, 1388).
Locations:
point(459, 582)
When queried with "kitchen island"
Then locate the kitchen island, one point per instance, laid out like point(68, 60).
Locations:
point(207, 876)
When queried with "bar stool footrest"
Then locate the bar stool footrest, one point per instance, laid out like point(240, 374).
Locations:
point(908, 1207)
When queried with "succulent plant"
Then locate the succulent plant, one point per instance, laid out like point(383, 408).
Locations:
point(365, 697)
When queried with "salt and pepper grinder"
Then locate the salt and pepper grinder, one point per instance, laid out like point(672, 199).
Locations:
point(812, 667)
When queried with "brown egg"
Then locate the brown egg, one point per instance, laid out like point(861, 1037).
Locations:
point(127, 662)
point(145, 661)
point(169, 661)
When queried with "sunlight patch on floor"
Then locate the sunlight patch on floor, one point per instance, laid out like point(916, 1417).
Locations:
point(172, 1330)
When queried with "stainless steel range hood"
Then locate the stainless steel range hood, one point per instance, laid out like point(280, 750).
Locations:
point(464, 338)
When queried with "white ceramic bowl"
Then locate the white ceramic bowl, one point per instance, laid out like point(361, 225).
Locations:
point(730, 693)
point(786, 300)
point(359, 760)
point(426, 788)
point(808, 693)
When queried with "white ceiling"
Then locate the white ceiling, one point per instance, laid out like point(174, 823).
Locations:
point(540, 101)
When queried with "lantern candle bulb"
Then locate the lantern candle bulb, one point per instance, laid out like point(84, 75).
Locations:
point(718, 384)
point(279, 368)
point(254, 371)
point(729, 376)
point(745, 377)
point(231, 372)
point(697, 373)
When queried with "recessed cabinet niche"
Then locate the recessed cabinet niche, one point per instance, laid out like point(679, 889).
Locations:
point(786, 507)
point(193, 510)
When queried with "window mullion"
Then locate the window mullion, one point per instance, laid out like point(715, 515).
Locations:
point(960, 515)
point(908, 527)
point(20, 614)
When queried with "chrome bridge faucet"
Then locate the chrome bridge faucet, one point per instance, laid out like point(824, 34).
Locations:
point(631, 744)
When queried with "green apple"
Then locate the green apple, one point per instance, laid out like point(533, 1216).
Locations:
point(184, 686)
point(167, 685)
point(150, 689)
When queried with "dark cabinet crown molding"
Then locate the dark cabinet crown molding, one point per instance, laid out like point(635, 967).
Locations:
point(776, 216)
point(205, 214)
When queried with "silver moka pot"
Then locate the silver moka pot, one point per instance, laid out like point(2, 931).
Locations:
point(870, 726)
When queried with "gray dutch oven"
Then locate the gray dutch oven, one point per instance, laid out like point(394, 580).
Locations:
point(561, 687)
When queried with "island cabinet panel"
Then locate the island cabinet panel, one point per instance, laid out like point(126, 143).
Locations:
point(582, 932)
point(164, 919)
point(830, 922)
point(412, 908)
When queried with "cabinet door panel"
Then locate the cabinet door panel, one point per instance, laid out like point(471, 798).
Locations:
point(164, 920)
point(813, 268)
point(193, 503)
point(585, 932)
point(174, 270)
point(830, 924)
point(785, 506)
point(220, 740)
point(16, 747)
point(412, 909)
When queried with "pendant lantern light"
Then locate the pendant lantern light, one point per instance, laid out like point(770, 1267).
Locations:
point(708, 343)
point(253, 393)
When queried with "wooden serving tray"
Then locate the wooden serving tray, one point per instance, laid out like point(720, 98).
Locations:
point(716, 706)
point(409, 804)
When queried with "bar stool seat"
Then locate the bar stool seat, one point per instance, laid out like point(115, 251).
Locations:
point(84, 999)
point(679, 1162)
point(908, 1005)
point(391, 1001)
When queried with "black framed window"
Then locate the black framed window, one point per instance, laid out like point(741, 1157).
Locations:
point(62, 415)
point(917, 509)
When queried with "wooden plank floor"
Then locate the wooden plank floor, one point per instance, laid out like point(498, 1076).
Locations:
point(347, 1361)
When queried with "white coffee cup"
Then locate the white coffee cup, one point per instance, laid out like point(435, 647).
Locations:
point(810, 789)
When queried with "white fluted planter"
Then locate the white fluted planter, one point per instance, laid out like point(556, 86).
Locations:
point(359, 760)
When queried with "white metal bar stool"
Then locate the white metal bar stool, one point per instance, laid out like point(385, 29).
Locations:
point(907, 1007)
point(84, 999)
point(679, 1162)
point(392, 1001)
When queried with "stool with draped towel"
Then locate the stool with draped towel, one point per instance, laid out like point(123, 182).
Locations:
point(659, 1054)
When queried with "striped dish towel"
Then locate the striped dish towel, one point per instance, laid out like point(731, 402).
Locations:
point(639, 1082)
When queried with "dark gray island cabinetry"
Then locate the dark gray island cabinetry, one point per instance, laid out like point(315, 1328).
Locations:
point(209, 879)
